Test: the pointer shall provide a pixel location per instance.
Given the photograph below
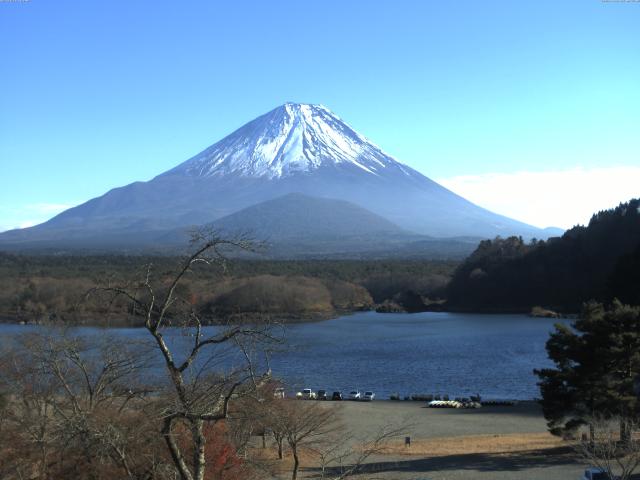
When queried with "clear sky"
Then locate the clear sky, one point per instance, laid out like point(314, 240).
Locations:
point(529, 108)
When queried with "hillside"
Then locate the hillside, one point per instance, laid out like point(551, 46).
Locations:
point(296, 216)
point(592, 262)
point(301, 226)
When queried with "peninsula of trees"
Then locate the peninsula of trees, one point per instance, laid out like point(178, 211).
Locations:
point(597, 262)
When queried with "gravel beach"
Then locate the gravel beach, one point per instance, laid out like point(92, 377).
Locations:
point(506, 442)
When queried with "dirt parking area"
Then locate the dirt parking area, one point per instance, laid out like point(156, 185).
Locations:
point(502, 443)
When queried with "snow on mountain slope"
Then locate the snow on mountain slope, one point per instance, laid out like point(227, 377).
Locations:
point(293, 138)
point(295, 148)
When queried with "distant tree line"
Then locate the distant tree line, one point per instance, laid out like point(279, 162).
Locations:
point(49, 288)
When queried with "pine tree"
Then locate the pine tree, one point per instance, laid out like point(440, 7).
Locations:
point(597, 362)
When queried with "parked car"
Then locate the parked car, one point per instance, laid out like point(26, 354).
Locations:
point(368, 396)
point(336, 396)
point(322, 395)
point(278, 393)
point(355, 395)
point(594, 473)
point(308, 394)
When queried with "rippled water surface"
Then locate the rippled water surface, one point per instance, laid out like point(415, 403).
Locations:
point(456, 354)
point(439, 353)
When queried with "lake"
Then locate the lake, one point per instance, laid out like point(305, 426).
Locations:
point(433, 353)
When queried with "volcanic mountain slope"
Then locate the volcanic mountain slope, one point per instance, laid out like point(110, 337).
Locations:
point(300, 226)
point(298, 217)
point(294, 148)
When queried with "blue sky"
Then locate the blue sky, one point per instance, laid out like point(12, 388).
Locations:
point(516, 105)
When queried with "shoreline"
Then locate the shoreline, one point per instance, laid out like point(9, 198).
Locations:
point(286, 319)
point(240, 319)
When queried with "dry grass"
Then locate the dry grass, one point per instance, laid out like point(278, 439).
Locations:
point(269, 458)
point(507, 445)
point(492, 444)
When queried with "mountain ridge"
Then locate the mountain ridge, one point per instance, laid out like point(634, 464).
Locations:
point(293, 148)
point(296, 225)
point(323, 218)
point(292, 138)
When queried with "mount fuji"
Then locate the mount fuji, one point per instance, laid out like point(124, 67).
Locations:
point(295, 148)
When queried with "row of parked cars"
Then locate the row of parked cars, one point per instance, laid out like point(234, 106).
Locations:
point(308, 394)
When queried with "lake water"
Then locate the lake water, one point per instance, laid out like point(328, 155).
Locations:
point(433, 353)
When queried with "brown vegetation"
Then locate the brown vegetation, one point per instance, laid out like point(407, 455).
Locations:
point(43, 289)
point(472, 444)
point(92, 408)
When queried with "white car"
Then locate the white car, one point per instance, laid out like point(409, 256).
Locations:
point(368, 396)
point(308, 394)
point(354, 395)
point(597, 474)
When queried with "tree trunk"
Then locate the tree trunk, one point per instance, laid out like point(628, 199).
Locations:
point(174, 450)
point(280, 449)
point(296, 463)
point(43, 460)
point(199, 442)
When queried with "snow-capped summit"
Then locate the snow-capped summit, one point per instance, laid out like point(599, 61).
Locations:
point(292, 138)
point(293, 149)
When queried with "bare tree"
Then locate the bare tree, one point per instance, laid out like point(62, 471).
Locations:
point(68, 411)
point(301, 425)
point(218, 366)
point(347, 455)
point(609, 449)
point(26, 419)
point(268, 412)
